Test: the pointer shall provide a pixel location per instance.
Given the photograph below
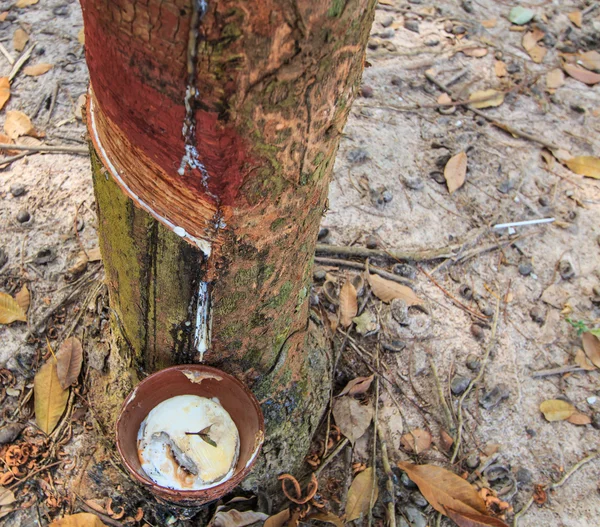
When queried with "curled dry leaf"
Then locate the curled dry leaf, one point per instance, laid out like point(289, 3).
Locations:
point(444, 490)
point(576, 17)
point(4, 91)
point(531, 38)
point(416, 441)
point(581, 74)
point(83, 519)
point(17, 124)
point(359, 495)
point(357, 386)
point(10, 310)
point(446, 441)
point(278, 520)
point(579, 419)
point(38, 69)
point(50, 398)
point(352, 417)
point(588, 166)
point(7, 497)
point(68, 362)
point(486, 99)
point(590, 60)
point(557, 410)
point(348, 304)
point(591, 346)
point(20, 39)
point(555, 79)
point(327, 517)
point(582, 361)
point(455, 171)
point(386, 290)
point(235, 518)
point(23, 298)
point(466, 519)
point(537, 53)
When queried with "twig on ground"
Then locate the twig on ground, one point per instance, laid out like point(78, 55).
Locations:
point(7, 161)
point(357, 265)
point(375, 426)
point(34, 473)
point(340, 446)
point(362, 252)
point(46, 148)
point(459, 413)
point(556, 485)
point(6, 53)
point(447, 413)
point(20, 61)
point(333, 370)
point(556, 371)
point(389, 482)
point(53, 102)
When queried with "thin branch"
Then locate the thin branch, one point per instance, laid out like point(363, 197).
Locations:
point(46, 148)
point(358, 265)
point(20, 61)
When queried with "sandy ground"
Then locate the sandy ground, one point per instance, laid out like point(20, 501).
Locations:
point(396, 144)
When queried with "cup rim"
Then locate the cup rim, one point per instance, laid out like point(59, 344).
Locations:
point(226, 485)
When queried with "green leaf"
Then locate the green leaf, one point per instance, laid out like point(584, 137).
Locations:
point(520, 15)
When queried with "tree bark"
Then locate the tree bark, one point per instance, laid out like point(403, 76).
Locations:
point(215, 127)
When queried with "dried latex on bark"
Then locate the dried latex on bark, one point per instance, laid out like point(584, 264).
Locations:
point(188, 443)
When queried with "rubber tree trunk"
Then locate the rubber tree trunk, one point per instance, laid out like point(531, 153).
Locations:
point(215, 126)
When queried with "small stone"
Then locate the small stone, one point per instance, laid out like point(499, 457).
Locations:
point(395, 346)
point(524, 476)
point(10, 432)
point(414, 183)
point(418, 499)
point(432, 42)
point(448, 27)
point(498, 55)
point(387, 33)
point(487, 310)
point(61, 10)
point(387, 21)
point(372, 242)
point(477, 331)
point(592, 400)
point(473, 362)
point(23, 216)
point(537, 315)
point(438, 177)
point(415, 517)
point(373, 43)
point(366, 91)
point(357, 156)
point(323, 233)
point(466, 291)
point(80, 224)
point(319, 275)
point(566, 270)
point(495, 396)
point(45, 256)
point(506, 186)
point(69, 68)
point(473, 461)
point(596, 420)
point(387, 196)
point(396, 81)
point(17, 190)
point(467, 5)
point(459, 30)
point(405, 270)
point(459, 384)
point(407, 482)
point(513, 67)
point(314, 299)
point(3, 257)
point(525, 268)
point(544, 201)
point(411, 25)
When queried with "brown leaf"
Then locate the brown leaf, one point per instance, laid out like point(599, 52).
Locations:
point(348, 304)
point(489, 23)
point(50, 398)
point(446, 440)
point(7, 497)
point(582, 361)
point(537, 53)
point(83, 519)
point(555, 79)
point(10, 310)
point(590, 60)
point(386, 290)
point(531, 38)
point(352, 417)
point(23, 298)
point(486, 99)
point(17, 124)
point(444, 99)
point(444, 490)
point(556, 410)
point(278, 520)
point(576, 17)
point(581, 74)
point(327, 517)
point(475, 52)
point(20, 39)
point(359, 495)
point(233, 518)
point(38, 69)
point(26, 3)
point(465, 519)
point(80, 264)
point(94, 254)
point(4, 91)
point(416, 441)
point(357, 386)
point(588, 166)
point(455, 171)
point(81, 36)
point(579, 419)
point(69, 358)
point(500, 68)
point(591, 346)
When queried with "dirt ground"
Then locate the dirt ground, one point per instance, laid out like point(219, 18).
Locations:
point(388, 192)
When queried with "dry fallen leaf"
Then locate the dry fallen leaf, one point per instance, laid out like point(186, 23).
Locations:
point(590, 60)
point(68, 362)
point(581, 74)
point(446, 441)
point(531, 38)
point(327, 517)
point(81, 36)
point(348, 304)
point(38, 69)
point(359, 495)
point(591, 346)
point(7, 497)
point(10, 310)
point(20, 39)
point(23, 298)
point(4, 91)
point(94, 254)
point(588, 166)
point(17, 124)
point(352, 417)
point(557, 410)
point(357, 386)
point(500, 68)
point(537, 53)
point(233, 518)
point(278, 520)
point(455, 171)
point(492, 22)
point(465, 519)
point(579, 419)
point(475, 52)
point(416, 441)
point(26, 3)
point(582, 361)
point(486, 99)
point(444, 490)
point(50, 398)
point(555, 79)
point(576, 17)
point(445, 99)
point(83, 519)
point(386, 290)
